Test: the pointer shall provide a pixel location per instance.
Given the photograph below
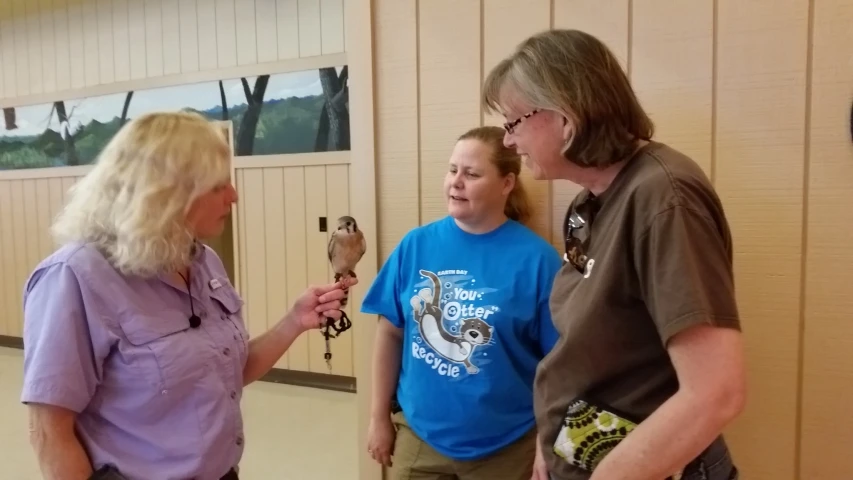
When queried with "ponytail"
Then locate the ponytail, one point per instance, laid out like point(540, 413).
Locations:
point(518, 205)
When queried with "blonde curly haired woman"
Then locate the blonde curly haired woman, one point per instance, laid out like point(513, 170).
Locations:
point(136, 352)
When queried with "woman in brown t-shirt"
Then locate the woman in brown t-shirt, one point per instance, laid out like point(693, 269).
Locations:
point(649, 368)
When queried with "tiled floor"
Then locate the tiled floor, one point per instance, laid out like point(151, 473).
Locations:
point(292, 433)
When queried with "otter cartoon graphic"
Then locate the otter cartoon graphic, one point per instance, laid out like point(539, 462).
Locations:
point(455, 348)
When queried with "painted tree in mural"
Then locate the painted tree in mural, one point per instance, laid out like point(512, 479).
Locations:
point(9, 116)
point(125, 108)
point(224, 101)
point(67, 135)
point(333, 131)
point(249, 125)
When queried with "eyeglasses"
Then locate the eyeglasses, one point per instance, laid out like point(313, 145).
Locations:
point(581, 216)
point(510, 126)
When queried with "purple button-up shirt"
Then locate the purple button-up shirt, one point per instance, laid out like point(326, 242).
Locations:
point(155, 397)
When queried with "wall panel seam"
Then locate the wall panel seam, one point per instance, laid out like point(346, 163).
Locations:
point(798, 427)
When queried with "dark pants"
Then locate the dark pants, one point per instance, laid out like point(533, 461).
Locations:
point(231, 475)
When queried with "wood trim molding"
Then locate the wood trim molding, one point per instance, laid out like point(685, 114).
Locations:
point(282, 66)
point(358, 15)
point(297, 378)
point(293, 160)
point(250, 161)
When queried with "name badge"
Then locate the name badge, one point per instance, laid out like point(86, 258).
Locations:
point(214, 284)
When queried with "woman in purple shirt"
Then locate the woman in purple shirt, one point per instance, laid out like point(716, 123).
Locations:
point(136, 352)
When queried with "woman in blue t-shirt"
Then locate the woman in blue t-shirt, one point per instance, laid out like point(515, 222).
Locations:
point(465, 321)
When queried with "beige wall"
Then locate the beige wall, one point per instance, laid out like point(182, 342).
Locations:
point(757, 92)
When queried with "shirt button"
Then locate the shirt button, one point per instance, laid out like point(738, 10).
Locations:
point(233, 394)
point(239, 441)
point(226, 351)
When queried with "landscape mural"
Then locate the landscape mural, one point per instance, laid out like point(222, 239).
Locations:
point(294, 112)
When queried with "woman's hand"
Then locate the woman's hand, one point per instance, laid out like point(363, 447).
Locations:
point(380, 439)
point(316, 303)
point(540, 470)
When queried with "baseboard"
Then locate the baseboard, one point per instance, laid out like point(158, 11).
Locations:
point(338, 383)
point(11, 342)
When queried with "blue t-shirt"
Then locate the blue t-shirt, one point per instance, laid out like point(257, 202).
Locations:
point(476, 321)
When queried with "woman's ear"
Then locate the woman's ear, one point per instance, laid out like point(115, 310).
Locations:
point(509, 183)
point(568, 133)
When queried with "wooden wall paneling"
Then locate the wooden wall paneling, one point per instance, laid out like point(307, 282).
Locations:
point(449, 66)
point(208, 41)
point(827, 384)
point(188, 26)
point(9, 292)
point(759, 173)
point(287, 12)
point(672, 73)
point(171, 33)
point(332, 26)
point(242, 246)
point(246, 32)
point(608, 20)
point(22, 54)
point(62, 43)
point(42, 242)
point(310, 28)
point(226, 33)
point(106, 55)
point(296, 225)
point(47, 41)
point(136, 12)
point(32, 23)
point(88, 12)
point(56, 200)
point(254, 221)
point(154, 46)
point(316, 257)
point(275, 255)
point(19, 244)
point(31, 230)
point(359, 44)
point(7, 50)
point(267, 31)
point(397, 120)
point(337, 205)
point(503, 30)
point(120, 41)
point(51, 46)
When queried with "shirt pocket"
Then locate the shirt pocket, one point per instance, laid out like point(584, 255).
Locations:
point(164, 350)
point(230, 309)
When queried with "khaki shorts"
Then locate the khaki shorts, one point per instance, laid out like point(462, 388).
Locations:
point(413, 459)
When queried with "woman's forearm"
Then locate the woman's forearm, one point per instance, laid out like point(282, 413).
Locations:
point(266, 349)
point(669, 439)
point(387, 355)
point(58, 452)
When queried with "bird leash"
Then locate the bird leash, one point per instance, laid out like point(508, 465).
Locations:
point(343, 325)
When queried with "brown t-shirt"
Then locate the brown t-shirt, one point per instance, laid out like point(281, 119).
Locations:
point(660, 261)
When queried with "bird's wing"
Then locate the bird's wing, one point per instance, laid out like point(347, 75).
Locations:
point(331, 246)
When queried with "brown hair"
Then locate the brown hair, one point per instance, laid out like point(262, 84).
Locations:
point(575, 74)
point(507, 161)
